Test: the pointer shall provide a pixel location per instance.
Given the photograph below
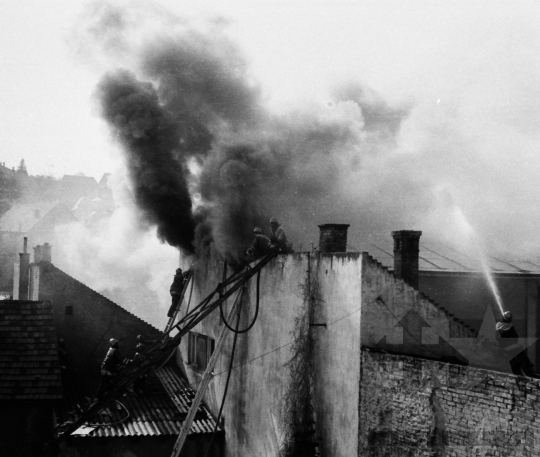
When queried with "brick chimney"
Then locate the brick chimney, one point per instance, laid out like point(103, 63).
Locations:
point(406, 249)
point(46, 253)
point(24, 263)
point(333, 237)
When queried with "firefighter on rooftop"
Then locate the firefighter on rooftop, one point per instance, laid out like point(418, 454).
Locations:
point(109, 367)
point(508, 340)
point(260, 244)
point(278, 239)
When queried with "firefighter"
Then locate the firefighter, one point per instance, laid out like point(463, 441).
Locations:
point(109, 367)
point(176, 290)
point(140, 384)
point(278, 239)
point(260, 244)
point(142, 344)
point(507, 338)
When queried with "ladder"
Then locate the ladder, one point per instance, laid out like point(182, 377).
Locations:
point(207, 377)
point(159, 352)
point(187, 281)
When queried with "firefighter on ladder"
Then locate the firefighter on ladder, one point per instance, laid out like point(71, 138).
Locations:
point(176, 290)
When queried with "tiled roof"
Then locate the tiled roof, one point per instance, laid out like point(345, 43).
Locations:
point(25, 217)
point(436, 256)
point(29, 366)
point(158, 412)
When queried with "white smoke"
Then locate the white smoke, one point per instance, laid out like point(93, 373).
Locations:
point(120, 259)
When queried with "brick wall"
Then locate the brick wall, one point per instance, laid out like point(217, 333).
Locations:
point(415, 407)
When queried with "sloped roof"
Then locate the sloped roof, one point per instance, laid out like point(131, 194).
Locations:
point(79, 180)
point(159, 411)
point(25, 217)
point(29, 366)
point(436, 256)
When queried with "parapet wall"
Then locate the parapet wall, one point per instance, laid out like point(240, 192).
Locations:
point(417, 407)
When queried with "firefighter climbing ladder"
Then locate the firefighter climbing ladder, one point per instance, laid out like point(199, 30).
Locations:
point(159, 352)
point(187, 281)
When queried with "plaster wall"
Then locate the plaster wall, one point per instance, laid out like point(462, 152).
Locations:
point(398, 318)
point(259, 381)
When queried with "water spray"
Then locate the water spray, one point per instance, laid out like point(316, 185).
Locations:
point(474, 239)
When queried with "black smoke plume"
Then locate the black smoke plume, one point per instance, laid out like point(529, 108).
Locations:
point(150, 136)
point(201, 105)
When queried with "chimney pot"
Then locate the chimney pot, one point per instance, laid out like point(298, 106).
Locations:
point(333, 237)
point(38, 254)
point(406, 250)
point(24, 265)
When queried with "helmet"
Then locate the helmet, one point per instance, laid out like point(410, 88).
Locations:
point(257, 230)
point(113, 342)
point(507, 316)
point(273, 220)
point(178, 271)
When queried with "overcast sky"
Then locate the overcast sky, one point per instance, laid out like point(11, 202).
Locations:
point(429, 50)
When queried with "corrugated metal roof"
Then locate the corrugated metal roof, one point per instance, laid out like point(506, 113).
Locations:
point(29, 366)
point(182, 395)
point(159, 411)
point(439, 256)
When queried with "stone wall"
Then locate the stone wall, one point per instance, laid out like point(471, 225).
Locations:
point(415, 407)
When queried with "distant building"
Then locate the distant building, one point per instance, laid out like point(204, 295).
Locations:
point(455, 280)
point(35, 221)
point(73, 187)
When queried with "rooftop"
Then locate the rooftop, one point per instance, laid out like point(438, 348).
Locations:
point(29, 366)
point(25, 217)
point(159, 411)
point(436, 256)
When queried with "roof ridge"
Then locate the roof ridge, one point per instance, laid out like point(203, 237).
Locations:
point(103, 296)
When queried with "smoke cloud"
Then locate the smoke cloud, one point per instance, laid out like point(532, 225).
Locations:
point(193, 99)
point(355, 158)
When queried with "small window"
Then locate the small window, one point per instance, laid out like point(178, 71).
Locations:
point(200, 349)
point(69, 309)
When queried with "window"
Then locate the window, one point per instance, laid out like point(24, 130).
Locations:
point(200, 349)
point(69, 309)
